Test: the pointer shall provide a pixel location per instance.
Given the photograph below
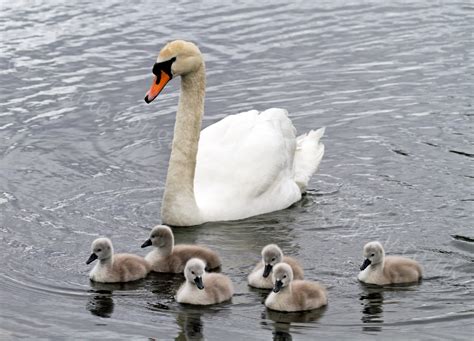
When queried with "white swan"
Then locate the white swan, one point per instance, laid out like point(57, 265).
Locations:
point(244, 165)
point(382, 270)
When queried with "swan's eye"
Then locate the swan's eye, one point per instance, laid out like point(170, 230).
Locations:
point(98, 250)
point(273, 259)
point(372, 255)
point(193, 272)
point(284, 276)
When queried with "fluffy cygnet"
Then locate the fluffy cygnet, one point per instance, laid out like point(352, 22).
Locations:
point(261, 277)
point(294, 295)
point(166, 257)
point(202, 288)
point(381, 270)
point(122, 267)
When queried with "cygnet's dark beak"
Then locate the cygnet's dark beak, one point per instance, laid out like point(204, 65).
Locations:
point(146, 243)
point(365, 264)
point(278, 285)
point(92, 258)
point(267, 270)
point(199, 284)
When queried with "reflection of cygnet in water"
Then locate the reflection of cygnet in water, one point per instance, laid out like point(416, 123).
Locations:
point(101, 305)
point(372, 311)
point(283, 321)
point(166, 257)
point(294, 295)
point(191, 326)
point(381, 270)
point(112, 268)
point(202, 288)
point(261, 277)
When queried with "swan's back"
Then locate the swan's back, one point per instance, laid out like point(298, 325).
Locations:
point(246, 159)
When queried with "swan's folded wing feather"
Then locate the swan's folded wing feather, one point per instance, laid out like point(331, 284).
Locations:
point(245, 165)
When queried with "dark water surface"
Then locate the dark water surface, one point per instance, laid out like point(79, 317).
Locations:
point(83, 156)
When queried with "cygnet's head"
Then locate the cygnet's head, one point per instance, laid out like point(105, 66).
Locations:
point(373, 254)
point(194, 270)
point(101, 249)
point(282, 276)
point(271, 255)
point(160, 236)
point(177, 58)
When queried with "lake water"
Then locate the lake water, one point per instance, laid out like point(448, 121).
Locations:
point(83, 156)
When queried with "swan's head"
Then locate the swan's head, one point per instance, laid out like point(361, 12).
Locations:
point(271, 255)
point(194, 270)
point(101, 249)
point(177, 58)
point(160, 236)
point(282, 276)
point(373, 254)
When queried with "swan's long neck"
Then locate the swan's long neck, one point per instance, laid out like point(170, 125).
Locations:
point(179, 206)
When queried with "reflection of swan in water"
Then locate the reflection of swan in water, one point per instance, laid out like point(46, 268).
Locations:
point(245, 238)
point(372, 311)
point(282, 321)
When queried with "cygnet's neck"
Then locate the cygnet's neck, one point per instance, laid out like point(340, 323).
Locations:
point(179, 204)
point(166, 249)
point(377, 266)
point(286, 290)
point(107, 261)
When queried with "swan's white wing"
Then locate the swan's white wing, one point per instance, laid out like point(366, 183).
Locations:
point(245, 166)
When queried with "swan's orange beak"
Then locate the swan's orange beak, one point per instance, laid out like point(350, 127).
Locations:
point(157, 86)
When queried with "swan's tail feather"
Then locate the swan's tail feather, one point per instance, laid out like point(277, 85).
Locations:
point(309, 152)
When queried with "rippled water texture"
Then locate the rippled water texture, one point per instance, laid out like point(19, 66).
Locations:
point(82, 155)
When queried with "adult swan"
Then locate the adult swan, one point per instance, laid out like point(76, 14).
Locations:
point(244, 165)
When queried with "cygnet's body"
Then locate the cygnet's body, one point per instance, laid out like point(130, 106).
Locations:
point(166, 257)
point(202, 288)
point(382, 270)
point(112, 268)
point(261, 277)
point(294, 295)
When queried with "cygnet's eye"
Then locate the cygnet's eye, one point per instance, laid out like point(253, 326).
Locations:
point(372, 255)
point(273, 259)
point(193, 272)
point(284, 276)
point(98, 250)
